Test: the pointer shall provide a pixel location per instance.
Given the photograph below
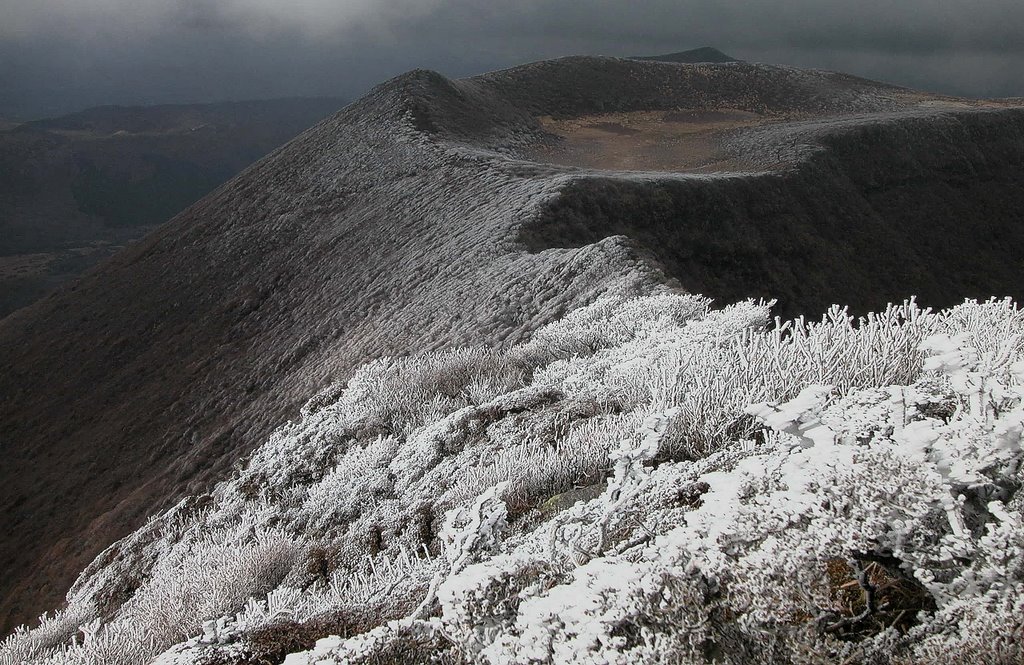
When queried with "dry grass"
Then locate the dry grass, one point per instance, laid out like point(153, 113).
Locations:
point(873, 595)
point(270, 644)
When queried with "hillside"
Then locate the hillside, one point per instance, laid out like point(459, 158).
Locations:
point(434, 213)
point(645, 480)
point(76, 189)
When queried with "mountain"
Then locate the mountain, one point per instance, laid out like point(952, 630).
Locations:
point(702, 54)
point(75, 189)
point(436, 213)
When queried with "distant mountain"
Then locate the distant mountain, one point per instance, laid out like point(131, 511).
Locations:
point(702, 54)
point(436, 213)
point(74, 189)
point(254, 116)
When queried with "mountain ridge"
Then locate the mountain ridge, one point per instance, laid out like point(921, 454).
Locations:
point(395, 225)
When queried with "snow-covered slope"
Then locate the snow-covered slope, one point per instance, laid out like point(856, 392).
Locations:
point(419, 219)
point(644, 481)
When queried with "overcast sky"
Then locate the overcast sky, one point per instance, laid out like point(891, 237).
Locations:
point(62, 55)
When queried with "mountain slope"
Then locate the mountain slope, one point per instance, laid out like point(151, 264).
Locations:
point(434, 213)
point(645, 480)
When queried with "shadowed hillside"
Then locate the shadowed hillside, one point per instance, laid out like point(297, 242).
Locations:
point(863, 222)
point(435, 212)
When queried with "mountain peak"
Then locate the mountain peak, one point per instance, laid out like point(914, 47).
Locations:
point(702, 54)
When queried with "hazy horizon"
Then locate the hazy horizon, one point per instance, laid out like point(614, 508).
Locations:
point(60, 57)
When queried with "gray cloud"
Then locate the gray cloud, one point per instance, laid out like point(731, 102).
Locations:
point(60, 55)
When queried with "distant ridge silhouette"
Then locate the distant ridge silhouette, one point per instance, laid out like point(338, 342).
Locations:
point(702, 54)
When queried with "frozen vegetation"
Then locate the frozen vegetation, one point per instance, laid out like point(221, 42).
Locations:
point(647, 480)
point(419, 218)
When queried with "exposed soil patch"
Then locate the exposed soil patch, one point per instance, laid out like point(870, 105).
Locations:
point(616, 128)
point(698, 140)
point(700, 118)
point(683, 140)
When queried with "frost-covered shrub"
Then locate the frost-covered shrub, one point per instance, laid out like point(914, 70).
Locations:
point(396, 395)
point(53, 631)
point(864, 508)
point(126, 645)
point(537, 469)
point(610, 612)
point(827, 544)
point(500, 612)
point(714, 379)
point(205, 580)
point(399, 641)
point(611, 322)
point(977, 629)
point(468, 533)
point(482, 603)
point(195, 583)
point(381, 575)
point(360, 476)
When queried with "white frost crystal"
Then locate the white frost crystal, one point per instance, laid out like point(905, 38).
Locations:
point(646, 481)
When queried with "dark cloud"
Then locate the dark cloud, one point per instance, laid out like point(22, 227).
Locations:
point(59, 55)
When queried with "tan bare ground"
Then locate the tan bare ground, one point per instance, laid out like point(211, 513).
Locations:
point(682, 140)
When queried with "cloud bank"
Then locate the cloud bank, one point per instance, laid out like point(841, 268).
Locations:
point(60, 55)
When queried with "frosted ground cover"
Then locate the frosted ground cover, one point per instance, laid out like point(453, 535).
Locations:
point(296, 287)
point(646, 480)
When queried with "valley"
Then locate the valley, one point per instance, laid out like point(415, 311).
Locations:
point(76, 189)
